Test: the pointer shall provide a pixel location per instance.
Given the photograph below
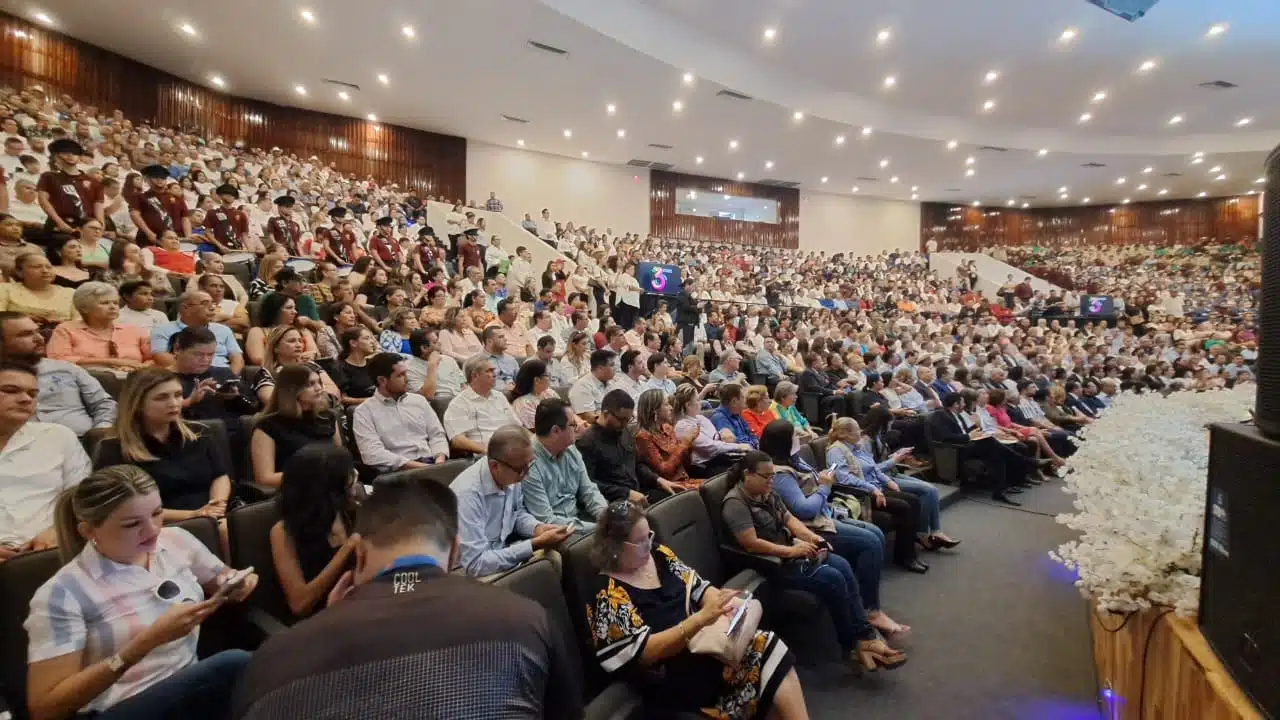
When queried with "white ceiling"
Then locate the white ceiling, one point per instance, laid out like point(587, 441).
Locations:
point(469, 63)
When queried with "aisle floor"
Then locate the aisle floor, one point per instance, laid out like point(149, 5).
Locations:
point(998, 630)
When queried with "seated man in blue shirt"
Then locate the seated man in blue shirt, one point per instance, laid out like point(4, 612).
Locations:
point(729, 417)
point(495, 532)
point(558, 490)
point(727, 371)
point(196, 309)
point(505, 366)
point(768, 364)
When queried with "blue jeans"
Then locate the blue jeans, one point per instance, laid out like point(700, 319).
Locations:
point(862, 545)
point(930, 512)
point(830, 583)
point(198, 692)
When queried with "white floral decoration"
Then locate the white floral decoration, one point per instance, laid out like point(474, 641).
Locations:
point(1139, 486)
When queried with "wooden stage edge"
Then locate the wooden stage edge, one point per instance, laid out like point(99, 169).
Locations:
point(1183, 678)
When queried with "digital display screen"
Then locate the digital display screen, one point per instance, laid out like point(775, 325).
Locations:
point(1097, 305)
point(659, 279)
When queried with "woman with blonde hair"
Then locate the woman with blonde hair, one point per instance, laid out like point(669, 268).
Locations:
point(297, 414)
point(401, 322)
point(758, 410)
point(657, 445)
point(128, 603)
point(190, 470)
point(285, 346)
point(270, 266)
point(576, 361)
point(97, 339)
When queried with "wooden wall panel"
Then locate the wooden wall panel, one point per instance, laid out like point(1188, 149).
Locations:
point(30, 55)
point(1173, 222)
point(665, 223)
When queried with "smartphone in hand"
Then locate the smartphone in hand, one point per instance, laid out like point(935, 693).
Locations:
point(232, 583)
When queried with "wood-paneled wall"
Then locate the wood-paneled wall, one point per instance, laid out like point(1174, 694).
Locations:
point(1174, 222)
point(664, 222)
point(430, 162)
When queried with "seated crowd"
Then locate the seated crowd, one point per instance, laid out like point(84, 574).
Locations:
point(574, 404)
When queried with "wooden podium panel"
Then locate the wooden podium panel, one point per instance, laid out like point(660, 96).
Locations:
point(1183, 678)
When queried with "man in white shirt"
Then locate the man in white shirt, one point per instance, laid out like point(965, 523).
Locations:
point(590, 389)
point(520, 275)
point(37, 461)
point(11, 160)
point(546, 227)
point(397, 429)
point(659, 375)
point(630, 380)
point(431, 373)
point(478, 410)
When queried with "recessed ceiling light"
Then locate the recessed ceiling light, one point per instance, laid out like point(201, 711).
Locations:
point(770, 34)
point(698, 160)
point(855, 188)
point(307, 15)
point(797, 116)
point(42, 17)
point(915, 196)
point(568, 133)
point(1121, 181)
point(1068, 35)
point(1026, 205)
point(1163, 191)
point(382, 78)
point(890, 81)
point(976, 203)
point(952, 144)
point(1244, 121)
point(373, 118)
point(1099, 96)
point(768, 165)
point(884, 163)
point(1203, 194)
point(884, 36)
point(1215, 169)
point(1011, 202)
point(1043, 152)
point(586, 154)
point(988, 106)
point(1176, 119)
point(1143, 186)
point(622, 133)
point(611, 109)
point(991, 76)
point(408, 32)
point(301, 90)
point(1217, 29)
point(1252, 192)
point(687, 79)
point(1260, 181)
point(839, 139)
point(344, 95)
point(741, 175)
point(1223, 176)
point(894, 179)
point(677, 106)
point(1086, 117)
point(915, 188)
point(1198, 154)
point(1085, 200)
point(217, 80)
point(866, 131)
point(1124, 201)
point(733, 144)
point(969, 173)
point(520, 143)
point(1063, 196)
point(1147, 170)
point(1197, 160)
point(188, 28)
point(969, 160)
point(1147, 66)
point(1062, 189)
point(824, 179)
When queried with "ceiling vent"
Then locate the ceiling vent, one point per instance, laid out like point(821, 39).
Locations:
point(993, 148)
point(547, 48)
point(953, 190)
point(1172, 174)
point(341, 83)
point(1219, 85)
point(514, 119)
point(1028, 197)
point(779, 183)
point(733, 94)
point(1093, 165)
point(660, 146)
point(650, 164)
point(864, 178)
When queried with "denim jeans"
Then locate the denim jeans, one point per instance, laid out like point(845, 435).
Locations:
point(930, 513)
point(198, 692)
point(829, 582)
point(862, 544)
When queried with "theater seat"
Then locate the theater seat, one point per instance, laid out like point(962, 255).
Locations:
point(806, 454)
point(109, 381)
point(539, 581)
point(578, 578)
point(249, 530)
point(681, 523)
point(443, 473)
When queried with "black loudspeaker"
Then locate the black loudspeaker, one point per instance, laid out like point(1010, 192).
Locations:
point(1268, 368)
point(1240, 584)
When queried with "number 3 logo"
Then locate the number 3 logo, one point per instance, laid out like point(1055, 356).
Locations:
point(659, 281)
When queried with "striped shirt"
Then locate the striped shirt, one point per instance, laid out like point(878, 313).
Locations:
point(95, 605)
point(1031, 409)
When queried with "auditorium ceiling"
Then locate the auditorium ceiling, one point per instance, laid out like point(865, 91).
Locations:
point(1035, 102)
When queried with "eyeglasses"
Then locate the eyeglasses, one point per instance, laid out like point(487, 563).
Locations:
point(647, 541)
point(522, 472)
point(766, 476)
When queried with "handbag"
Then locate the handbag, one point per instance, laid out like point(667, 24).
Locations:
point(716, 640)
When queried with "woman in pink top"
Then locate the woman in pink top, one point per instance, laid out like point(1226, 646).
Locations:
point(1032, 436)
point(97, 340)
point(458, 336)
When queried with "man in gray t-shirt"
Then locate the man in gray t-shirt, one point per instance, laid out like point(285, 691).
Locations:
point(767, 516)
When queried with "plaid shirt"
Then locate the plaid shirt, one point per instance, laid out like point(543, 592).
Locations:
point(95, 605)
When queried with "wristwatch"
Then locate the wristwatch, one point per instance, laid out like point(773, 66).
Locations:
point(117, 664)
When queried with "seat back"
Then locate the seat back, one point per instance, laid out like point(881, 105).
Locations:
point(811, 407)
point(748, 367)
point(20, 578)
point(109, 381)
point(440, 405)
point(713, 492)
point(806, 454)
point(539, 581)
point(681, 523)
point(443, 473)
point(580, 577)
point(205, 529)
point(820, 446)
point(221, 444)
point(249, 529)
